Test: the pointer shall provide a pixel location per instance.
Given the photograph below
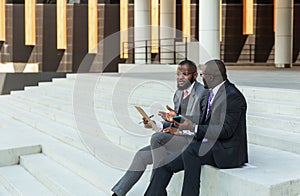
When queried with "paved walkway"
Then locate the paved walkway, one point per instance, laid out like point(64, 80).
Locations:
point(265, 77)
point(262, 76)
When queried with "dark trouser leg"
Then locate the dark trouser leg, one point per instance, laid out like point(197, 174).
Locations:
point(167, 145)
point(192, 165)
point(162, 176)
point(138, 165)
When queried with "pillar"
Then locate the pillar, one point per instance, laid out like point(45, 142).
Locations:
point(209, 11)
point(61, 23)
point(2, 20)
point(167, 29)
point(284, 33)
point(141, 30)
point(92, 26)
point(30, 25)
point(124, 29)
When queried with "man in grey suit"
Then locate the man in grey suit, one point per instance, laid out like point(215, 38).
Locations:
point(220, 137)
point(187, 102)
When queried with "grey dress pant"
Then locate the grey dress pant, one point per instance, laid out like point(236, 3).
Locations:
point(162, 144)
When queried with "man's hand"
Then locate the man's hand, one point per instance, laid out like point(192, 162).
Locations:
point(168, 115)
point(185, 125)
point(171, 130)
point(146, 123)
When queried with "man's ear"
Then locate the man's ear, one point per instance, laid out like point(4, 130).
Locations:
point(195, 75)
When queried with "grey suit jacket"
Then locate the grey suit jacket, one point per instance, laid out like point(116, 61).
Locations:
point(196, 102)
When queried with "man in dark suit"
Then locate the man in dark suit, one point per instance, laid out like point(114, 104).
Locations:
point(187, 102)
point(220, 136)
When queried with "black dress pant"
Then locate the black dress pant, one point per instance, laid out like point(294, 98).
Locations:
point(190, 161)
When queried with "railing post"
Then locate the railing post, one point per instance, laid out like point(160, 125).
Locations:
point(174, 51)
point(146, 51)
point(159, 50)
point(123, 49)
point(250, 53)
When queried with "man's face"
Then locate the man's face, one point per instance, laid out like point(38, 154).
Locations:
point(207, 77)
point(185, 77)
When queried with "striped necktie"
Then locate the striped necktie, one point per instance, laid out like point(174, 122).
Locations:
point(211, 96)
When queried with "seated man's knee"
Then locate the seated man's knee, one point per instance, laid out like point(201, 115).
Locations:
point(157, 138)
point(190, 151)
point(143, 153)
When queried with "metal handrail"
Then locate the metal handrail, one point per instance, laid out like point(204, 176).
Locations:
point(148, 44)
point(247, 54)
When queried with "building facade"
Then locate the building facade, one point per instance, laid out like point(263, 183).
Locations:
point(62, 35)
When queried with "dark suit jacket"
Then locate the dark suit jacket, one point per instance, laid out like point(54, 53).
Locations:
point(196, 102)
point(225, 128)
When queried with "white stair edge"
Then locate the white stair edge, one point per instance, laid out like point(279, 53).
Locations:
point(12, 156)
point(57, 178)
point(19, 182)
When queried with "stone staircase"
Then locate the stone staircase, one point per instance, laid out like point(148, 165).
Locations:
point(76, 136)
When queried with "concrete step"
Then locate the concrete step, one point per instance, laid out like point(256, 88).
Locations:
point(45, 100)
point(103, 96)
point(273, 94)
point(105, 103)
point(276, 173)
point(4, 191)
point(44, 125)
point(273, 107)
point(20, 182)
point(56, 177)
point(273, 138)
point(136, 96)
point(11, 156)
point(100, 96)
point(94, 167)
point(127, 82)
point(277, 122)
point(66, 113)
point(255, 103)
point(129, 116)
point(133, 138)
point(122, 84)
point(124, 140)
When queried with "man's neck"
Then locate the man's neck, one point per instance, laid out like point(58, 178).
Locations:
point(190, 87)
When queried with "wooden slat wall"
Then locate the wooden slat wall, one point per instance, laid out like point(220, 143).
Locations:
point(154, 25)
point(61, 24)
point(30, 25)
point(186, 19)
point(248, 14)
point(2, 20)
point(124, 28)
point(92, 27)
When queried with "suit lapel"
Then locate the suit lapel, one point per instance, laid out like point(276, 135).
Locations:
point(177, 100)
point(191, 102)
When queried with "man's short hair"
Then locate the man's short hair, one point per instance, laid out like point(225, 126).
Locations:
point(220, 65)
point(189, 63)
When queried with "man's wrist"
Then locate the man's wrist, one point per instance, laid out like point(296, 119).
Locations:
point(180, 132)
point(193, 127)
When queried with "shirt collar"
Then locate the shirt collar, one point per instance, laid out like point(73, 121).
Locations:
point(189, 89)
point(216, 89)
